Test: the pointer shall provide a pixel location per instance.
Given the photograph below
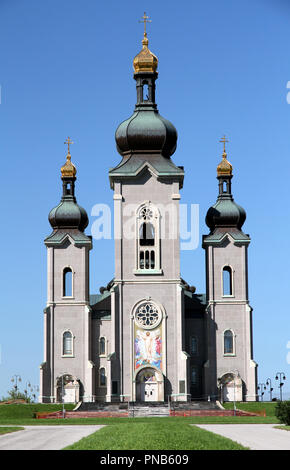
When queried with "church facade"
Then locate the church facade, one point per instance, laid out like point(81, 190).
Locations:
point(147, 336)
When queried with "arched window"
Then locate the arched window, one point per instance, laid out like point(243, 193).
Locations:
point(227, 281)
point(102, 346)
point(228, 342)
point(147, 234)
point(67, 282)
point(193, 345)
point(67, 343)
point(103, 379)
point(145, 91)
point(148, 238)
point(194, 376)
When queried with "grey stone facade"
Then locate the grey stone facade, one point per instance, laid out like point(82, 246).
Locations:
point(147, 336)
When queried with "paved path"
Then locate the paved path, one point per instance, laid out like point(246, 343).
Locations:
point(254, 436)
point(45, 437)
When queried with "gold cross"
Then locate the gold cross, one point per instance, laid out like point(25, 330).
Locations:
point(68, 142)
point(145, 20)
point(224, 140)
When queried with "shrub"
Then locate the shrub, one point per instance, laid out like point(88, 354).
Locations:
point(282, 412)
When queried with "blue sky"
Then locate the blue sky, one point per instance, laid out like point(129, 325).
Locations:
point(66, 69)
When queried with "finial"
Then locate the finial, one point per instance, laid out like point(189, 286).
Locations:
point(68, 169)
point(145, 19)
point(145, 61)
point(224, 140)
point(68, 142)
point(224, 168)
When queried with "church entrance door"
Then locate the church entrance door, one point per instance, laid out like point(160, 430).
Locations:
point(149, 391)
point(148, 386)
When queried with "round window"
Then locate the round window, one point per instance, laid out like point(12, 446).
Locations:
point(147, 315)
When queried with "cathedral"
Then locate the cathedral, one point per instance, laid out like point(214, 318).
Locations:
point(147, 336)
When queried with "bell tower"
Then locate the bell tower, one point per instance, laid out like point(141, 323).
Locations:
point(147, 283)
point(67, 316)
point(230, 368)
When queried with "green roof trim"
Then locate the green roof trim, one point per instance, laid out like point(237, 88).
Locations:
point(59, 236)
point(96, 298)
point(220, 233)
point(132, 165)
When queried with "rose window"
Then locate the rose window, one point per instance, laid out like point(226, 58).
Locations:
point(146, 213)
point(147, 315)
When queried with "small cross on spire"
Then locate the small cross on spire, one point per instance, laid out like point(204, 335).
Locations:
point(224, 140)
point(68, 142)
point(145, 19)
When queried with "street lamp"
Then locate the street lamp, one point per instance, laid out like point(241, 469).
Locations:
point(269, 382)
point(26, 389)
point(280, 374)
point(262, 387)
point(34, 388)
point(16, 378)
point(238, 375)
point(63, 376)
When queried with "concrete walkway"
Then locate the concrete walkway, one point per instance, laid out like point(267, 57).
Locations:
point(254, 436)
point(45, 437)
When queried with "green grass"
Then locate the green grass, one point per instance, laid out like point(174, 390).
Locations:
point(253, 406)
point(285, 428)
point(27, 411)
point(154, 434)
point(113, 421)
point(6, 430)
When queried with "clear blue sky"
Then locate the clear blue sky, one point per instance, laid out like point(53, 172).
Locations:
point(66, 69)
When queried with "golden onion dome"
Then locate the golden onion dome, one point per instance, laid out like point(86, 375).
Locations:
point(225, 167)
point(145, 61)
point(68, 169)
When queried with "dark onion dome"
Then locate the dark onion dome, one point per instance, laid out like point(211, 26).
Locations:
point(146, 131)
point(68, 214)
point(225, 213)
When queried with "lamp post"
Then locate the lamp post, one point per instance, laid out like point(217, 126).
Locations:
point(261, 387)
point(28, 385)
point(62, 392)
point(35, 389)
point(16, 378)
point(279, 376)
point(238, 375)
point(269, 382)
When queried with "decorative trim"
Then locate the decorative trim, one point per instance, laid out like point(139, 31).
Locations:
point(154, 220)
point(148, 271)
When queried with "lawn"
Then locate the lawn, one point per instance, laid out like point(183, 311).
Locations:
point(20, 412)
point(285, 428)
point(6, 430)
point(253, 406)
point(154, 434)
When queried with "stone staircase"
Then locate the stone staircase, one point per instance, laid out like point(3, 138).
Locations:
point(138, 410)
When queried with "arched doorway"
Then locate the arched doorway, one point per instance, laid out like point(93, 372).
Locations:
point(231, 387)
point(149, 385)
point(67, 389)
